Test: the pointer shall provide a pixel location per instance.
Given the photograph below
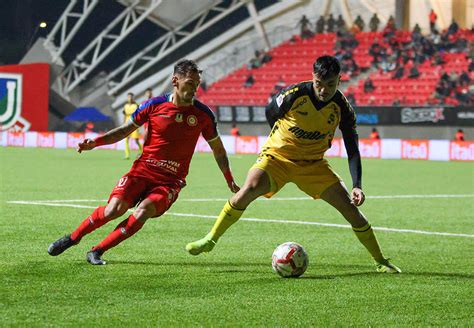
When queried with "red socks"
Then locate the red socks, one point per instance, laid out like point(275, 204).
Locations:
point(124, 230)
point(93, 221)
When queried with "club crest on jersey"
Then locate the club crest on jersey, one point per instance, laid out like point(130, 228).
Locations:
point(11, 87)
point(179, 118)
point(192, 120)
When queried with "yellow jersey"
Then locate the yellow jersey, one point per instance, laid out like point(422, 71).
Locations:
point(303, 127)
point(128, 110)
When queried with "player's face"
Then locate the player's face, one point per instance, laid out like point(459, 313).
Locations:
point(130, 98)
point(325, 89)
point(186, 85)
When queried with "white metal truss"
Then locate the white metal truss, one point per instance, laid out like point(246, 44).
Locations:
point(65, 36)
point(374, 10)
point(167, 43)
point(161, 79)
point(258, 25)
point(98, 49)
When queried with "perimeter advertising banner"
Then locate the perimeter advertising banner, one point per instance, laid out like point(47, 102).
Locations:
point(24, 94)
point(431, 150)
point(391, 115)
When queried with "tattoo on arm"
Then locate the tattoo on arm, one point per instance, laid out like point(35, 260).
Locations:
point(220, 154)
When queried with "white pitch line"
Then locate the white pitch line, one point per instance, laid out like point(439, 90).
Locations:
point(260, 199)
point(43, 203)
point(262, 220)
point(421, 196)
point(60, 201)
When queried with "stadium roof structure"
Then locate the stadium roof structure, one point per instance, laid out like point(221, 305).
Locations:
point(168, 25)
point(112, 47)
point(172, 14)
point(134, 43)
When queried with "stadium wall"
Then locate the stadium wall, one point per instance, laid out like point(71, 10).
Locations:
point(385, 131)
point(402, 122)
point(24, 92)
point(437, 150)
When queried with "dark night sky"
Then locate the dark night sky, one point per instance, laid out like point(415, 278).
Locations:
point(18, 20)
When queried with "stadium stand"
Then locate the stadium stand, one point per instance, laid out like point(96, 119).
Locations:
point(292, 60)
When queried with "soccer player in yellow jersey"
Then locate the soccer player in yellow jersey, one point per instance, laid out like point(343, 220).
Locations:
point(128, 109)
point(304, 118)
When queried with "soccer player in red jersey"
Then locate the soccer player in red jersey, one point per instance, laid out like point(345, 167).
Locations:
point(175, 122)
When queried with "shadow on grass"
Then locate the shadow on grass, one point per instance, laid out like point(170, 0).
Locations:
point(46, 267)
point(335, 276)
point(192, 264)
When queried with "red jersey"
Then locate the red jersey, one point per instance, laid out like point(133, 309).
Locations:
point(171, 137)
point(374, 135)
point(459, 136)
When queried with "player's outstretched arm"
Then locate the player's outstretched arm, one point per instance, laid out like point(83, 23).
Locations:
point(108, 138)
point(222, 160)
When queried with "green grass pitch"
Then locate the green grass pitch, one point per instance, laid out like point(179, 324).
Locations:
point(150, 280)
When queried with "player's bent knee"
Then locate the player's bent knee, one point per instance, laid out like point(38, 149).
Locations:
point(146, 211)
point(115, 209)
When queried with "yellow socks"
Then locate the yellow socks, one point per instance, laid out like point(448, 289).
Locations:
point(367, 237)
point(127, 148)
point(228, 216)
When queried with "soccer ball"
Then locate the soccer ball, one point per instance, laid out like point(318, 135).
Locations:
point(290, 260)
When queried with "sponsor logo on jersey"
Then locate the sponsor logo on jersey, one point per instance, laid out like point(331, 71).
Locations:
point(310, 135)
point(192, 120)
point(11, 87)
point(302, 113)
point(179, 118)
point(169, 165)
point(299, 104)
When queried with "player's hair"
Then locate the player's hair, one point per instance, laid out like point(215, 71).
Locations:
point(186, 66)
point(326, 67)
point(130, 94)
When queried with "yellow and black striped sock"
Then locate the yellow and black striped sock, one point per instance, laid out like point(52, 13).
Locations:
point(367, 237)
point(228, 216)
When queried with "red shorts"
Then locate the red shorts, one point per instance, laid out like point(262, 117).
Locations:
point(133, 189)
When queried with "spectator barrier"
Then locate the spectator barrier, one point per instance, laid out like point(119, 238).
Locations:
point(393, 115)
point(437, 150)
